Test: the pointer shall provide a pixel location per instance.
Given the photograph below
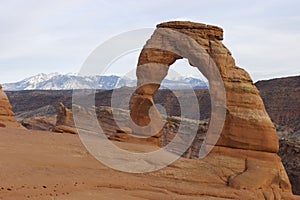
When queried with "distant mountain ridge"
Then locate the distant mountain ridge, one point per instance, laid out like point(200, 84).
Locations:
point(56, 81)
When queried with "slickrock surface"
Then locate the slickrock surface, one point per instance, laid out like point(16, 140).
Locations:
point(277, 104)
point(7, 117)
point(39, 165)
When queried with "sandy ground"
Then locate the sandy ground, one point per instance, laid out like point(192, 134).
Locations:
point(44, 165)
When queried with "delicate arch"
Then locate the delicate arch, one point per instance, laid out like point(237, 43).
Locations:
point(247, 125)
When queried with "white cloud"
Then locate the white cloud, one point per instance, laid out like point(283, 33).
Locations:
point(47, 36)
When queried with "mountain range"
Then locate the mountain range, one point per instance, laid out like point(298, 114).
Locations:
point(56, 81)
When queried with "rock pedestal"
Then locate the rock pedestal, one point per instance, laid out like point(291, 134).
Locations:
point(64, 121)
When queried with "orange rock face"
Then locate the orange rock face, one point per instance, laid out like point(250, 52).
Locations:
point(247, 124)
point(247, 134)
point(7, 117)
point(64, 121)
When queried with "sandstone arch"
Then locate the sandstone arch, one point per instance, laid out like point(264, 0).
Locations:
point(247, 124)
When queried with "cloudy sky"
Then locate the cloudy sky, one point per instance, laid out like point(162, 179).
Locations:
point(58, 35)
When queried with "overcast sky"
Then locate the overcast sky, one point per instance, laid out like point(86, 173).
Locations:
point(58, 35)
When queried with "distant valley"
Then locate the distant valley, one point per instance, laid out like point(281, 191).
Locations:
point(281, 97)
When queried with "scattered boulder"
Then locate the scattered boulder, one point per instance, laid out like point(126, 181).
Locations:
point(39, 123)
point(65, 129)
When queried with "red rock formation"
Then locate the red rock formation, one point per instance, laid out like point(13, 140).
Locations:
point(7, 117)
point(39, 123)
point(248, 133)
point(247, 125)
point(64, 121)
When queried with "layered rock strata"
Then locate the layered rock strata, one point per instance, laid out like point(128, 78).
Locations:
point(64, 121)
point(7, 116)
point(247, 134)
point(247, 124)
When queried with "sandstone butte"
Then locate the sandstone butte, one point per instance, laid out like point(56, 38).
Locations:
point(242, 165)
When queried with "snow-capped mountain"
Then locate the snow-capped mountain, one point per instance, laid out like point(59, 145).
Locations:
point(184, 83)
point(56, 81)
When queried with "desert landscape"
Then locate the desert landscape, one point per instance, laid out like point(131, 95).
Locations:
point(44, 153)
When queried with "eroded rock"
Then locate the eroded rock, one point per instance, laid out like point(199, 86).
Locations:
point(248, 133)
point(64, 121)
point(7, 116)
point(247, 124)
point(39, 123)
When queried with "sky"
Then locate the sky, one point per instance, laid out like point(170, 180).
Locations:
point(59, 35)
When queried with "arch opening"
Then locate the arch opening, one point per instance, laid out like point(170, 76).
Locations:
point(166, 96)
